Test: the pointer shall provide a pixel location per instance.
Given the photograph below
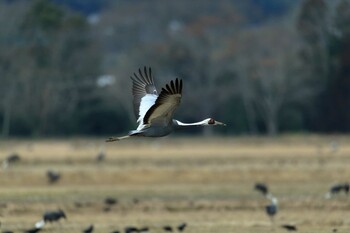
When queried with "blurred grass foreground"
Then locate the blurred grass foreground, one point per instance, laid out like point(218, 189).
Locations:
point(207, 183)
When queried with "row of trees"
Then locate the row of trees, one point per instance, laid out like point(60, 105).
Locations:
point(287, 73)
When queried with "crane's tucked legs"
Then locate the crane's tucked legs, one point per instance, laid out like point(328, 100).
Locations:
point(113, 139)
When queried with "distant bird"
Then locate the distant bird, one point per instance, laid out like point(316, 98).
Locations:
point(53, 176)
point(143, 229)
point(12, 158)
point(89, 229)
point(52, 216)
point(334, 146)
point(262, 188)
point(271, 209)
point(182, 226)
point(168, 228)
point(337, 188)
point(131, 229)
point(154, 112)
point(289, 227)
point(110, 201)
point(33, 230)
point(135, 201)
point(100, 156)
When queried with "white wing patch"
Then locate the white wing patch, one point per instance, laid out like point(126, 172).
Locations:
point(146, 103)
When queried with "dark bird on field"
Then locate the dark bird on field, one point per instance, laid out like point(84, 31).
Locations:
point(155, 112)
point(271, 209)
point(53, 176)
point(143, 229)
point(130, 229)
point(89, 229)
point(182, 226)
point(33, 230)
point(11, 159)
point(262, 188)
point(168, 228)
point(100, 156)
point(337, 188)
point(52, 216)
point(110, 201)
point(289, 227)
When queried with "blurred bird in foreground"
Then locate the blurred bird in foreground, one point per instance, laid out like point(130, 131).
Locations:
point(100, 157)
point(337, 188)
point(182, 227)
point(263, 189)
point(155, 112)
point(130, 229)
point(11, 159)
point(53, 176)
point(50, 216)
point(33, 230)
point(289, 227)
point(110, 201)
point(89, 229)
point(271, 209)
point(168, 228)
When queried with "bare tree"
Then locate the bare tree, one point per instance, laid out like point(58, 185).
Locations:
point(271, 73)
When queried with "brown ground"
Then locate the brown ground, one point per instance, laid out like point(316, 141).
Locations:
point(205, 182)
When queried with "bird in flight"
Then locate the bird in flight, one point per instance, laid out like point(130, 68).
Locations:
point(155, 112)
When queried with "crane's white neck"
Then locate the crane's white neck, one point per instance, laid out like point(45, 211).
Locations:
point(181, 124)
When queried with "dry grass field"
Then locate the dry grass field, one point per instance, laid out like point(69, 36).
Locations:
point(205, 182)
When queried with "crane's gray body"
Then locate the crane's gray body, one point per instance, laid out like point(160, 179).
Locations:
point(156, 130)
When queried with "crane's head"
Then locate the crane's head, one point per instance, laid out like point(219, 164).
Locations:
point(211, 121)
point(62, 214)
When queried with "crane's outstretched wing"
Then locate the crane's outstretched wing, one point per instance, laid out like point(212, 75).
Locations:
point(162, 111)
point(144, 92)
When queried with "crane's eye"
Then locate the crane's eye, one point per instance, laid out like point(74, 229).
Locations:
point(211, 121)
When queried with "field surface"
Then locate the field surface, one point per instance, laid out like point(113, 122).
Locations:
point(205, 182)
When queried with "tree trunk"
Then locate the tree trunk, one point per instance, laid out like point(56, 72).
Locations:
point(271, 122)
point(7, 119)
point(272, 127)
point(250, 114)
point(6, 122)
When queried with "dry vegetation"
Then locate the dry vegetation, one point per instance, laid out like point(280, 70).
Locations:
point(205, 182)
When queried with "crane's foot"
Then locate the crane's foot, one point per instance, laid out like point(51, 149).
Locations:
point(113, 139)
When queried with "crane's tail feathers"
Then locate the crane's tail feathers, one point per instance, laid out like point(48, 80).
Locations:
point(113, 139)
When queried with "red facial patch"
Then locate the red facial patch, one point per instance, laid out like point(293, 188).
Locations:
point(211, 121)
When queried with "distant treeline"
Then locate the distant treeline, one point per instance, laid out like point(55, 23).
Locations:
point(259, 66)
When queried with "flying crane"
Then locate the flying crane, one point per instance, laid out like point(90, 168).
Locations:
point(155, 112)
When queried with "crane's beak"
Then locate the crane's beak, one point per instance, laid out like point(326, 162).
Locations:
point(219, 123)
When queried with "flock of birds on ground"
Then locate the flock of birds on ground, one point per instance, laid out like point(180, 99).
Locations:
point(53, 216)
point(56, 215)
point(272, 208)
